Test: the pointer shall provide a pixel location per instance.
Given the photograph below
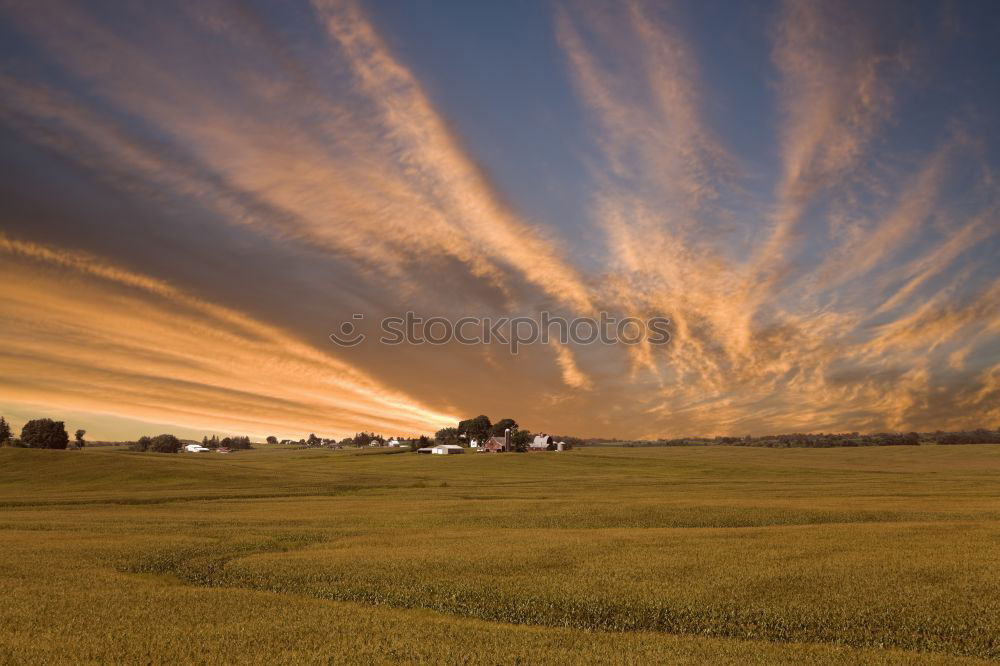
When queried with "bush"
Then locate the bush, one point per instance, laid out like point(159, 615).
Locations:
point(158, 444)
point(45, 434)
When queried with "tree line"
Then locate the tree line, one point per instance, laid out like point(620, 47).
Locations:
point(50, 434)
point(830, 440)
point(232, 443)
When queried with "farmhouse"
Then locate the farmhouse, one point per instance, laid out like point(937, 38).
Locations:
point(196, 448)
point(446, 449)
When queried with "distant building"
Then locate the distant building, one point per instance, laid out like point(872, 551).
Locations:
point(197, 448)
point(447, 449)
point(497, 444)
point(540, 442)
point(393, 442)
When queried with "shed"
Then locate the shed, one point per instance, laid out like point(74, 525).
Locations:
point(447, 449)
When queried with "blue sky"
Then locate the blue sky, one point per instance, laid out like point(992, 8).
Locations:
point(199, 192)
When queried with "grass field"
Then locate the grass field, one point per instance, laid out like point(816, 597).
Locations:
point(679, 555)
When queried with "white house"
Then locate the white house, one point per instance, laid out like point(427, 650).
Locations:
point(196, 448)
point(447, 449)
point(393, 442)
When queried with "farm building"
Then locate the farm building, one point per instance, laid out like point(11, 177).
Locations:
point(447, 449)
point(196, 448)
point(496, 444)
point(393, 442)
point(426, 449)
point(540, 442)
point(543, 442)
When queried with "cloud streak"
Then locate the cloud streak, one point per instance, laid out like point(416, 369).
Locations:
point(157, 352)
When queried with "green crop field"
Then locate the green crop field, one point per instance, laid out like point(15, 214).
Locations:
point(676, 555)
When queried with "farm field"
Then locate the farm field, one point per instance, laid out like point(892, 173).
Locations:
point(679, 555)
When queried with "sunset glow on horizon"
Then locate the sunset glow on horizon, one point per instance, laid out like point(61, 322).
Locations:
point(197, 193)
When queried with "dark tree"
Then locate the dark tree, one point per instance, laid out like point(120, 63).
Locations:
point(158, 444)
point(45, 434)
point(520, 440)
point(447, 435)
point(477, 428)
point(79, 437)
point(500, 426)
point(271, 439)
point(313, 440)
point(239, 443)
point(4, 432)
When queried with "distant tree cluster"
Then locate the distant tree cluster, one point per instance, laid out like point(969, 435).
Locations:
point(572, 442)
point(479, 428)
point(232, 443)
point(520, 440)
point(157, 444)
point(45, 434)
point(448, 436)
point(367, 439)
point(313, 441)
point(981, 436)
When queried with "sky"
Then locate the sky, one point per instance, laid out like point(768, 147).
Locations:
point(197, 193)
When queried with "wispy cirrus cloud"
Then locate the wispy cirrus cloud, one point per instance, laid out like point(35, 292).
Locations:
point(158, 353)
point(752, 343)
